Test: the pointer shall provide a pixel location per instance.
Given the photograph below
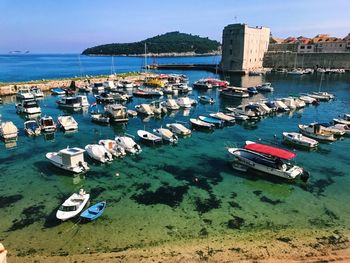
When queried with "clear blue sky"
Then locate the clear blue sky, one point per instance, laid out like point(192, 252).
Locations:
point(73, 25)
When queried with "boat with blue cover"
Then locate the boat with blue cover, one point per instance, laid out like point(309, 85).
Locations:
point(218, 123)
point(58, 91)
point(94, 211)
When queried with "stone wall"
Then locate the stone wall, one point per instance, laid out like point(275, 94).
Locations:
point(306, 60)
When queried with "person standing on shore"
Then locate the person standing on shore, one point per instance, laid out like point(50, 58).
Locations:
point(3, 254)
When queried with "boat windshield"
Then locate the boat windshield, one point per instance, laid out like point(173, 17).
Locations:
point(68, 208)
point(48, 122)
point(30, 104)
point(71, 100)
point(271, 162)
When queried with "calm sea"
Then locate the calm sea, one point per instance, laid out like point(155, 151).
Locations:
point(167, 193)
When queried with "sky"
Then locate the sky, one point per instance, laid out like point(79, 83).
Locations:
point(70, 26)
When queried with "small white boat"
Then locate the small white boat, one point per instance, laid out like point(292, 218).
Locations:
point(67, 123)
point(198, 124)
point(171, 104)
point(24, 94)
point(281, 106)
point(69, 159)
point(98, 153)
point(184, 102)
point(69, 103)
point(296, 72)
point(166, 135)
point(206, 99)
point(317, 132)
point(37, 92)
point(179, 129)
point(202, 84)
point(117, 113)
point(99, 118)
point(47, 124)
point(111, 146)
point(328, 127)
point(8, 131)
point(341, 121)
point(128, 144)
point(324, 94)
point(299, 139)
point(32, 127)
point(82, 99)
point(342, 127)
point(73, 205)
point(158, 108)
point(265, 87)
point(149, 137)
point(308, 99)
point(290, 103)
point(144, 109)
point(224, 117)
point(28, 107)
point(132, 113)
point(97, 87)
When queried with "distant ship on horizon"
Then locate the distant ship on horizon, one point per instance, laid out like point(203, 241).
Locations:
point(19, 52)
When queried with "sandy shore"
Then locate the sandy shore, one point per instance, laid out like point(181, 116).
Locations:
point(266, 246)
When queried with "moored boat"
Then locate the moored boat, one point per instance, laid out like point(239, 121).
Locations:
point(8, 131)
point(206, 99)
point(149, 137)
point(128, 144)
point(179, 129)
point(32, 127)
point(47, 124)
point(117, 113)
point(201, 125)
point(69, 159)
point(144, 109)
point(94, 211)
point(98, 153)
point(267, 159)
point(222, 116)
point(101, 118)
point(111, 146)
point(171, 104)
point(217, 122)
point(166, 135)
point(24, 94)
point(69, 103)
point(73, 205)
point(28, 107)
point(299, 140)
point(67, 123)
point(316, 131)
point(37, 92)
point(58, 91)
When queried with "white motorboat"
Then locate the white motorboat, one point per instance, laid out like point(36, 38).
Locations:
point(299, 140)
point(112, 146)
point(290, 103)
point(73, 205)
point(99, 118)
point(341, 121)
point(184, 102)
point(47, 124)
point(24, 94)
point(8, 131)
point(206, 99)
point(265, 87)
point(128, 144)
point(202, 84)
point(69, 159)
point(281, 106)
point(67, 123)
point(166, 135)
point(171, 104)
point(224, 117)
point(37, 92)
point(132, 113)
point(342, 127)
point(324, 94)
point(296, 72)
point(202, 125)
point(179, 129)
point(32, 127)
point(98, 87)
point(98, 153)
point(117, 113)
point(82, 99)
point(234, 93)
point(28, 107)
point(109, 85)
point(149, 137)
point(158, 108)
point(69, 103)
point(316, 131)
point(144, 109)
point(330, 128)
point(104, 97)
point(248, 110)
point(269, 160)
point(308, 99)
point(299, 103)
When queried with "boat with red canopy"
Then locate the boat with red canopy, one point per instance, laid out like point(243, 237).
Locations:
point(266, 159)
point(269, 150)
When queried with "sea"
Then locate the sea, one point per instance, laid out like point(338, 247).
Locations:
point(168, 193)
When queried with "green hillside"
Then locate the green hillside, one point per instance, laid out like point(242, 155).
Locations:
point(173, 42)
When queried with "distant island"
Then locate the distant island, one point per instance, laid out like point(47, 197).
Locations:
point(168, 44)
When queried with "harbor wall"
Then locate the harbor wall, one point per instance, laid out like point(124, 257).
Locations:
point(306, 60)
point(46, 85)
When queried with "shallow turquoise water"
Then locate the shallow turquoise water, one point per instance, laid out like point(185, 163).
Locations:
point(174, 193)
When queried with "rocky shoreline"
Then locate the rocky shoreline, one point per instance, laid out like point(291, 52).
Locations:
point(183, 54)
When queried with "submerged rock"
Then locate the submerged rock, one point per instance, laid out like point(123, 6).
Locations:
point(205, 205)
point(29, 216)
point(235, 223)
point(6, 201)
point(166, 195)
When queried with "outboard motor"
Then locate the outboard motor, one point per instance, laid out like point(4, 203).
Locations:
point(80, 164)
point(305, 176)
